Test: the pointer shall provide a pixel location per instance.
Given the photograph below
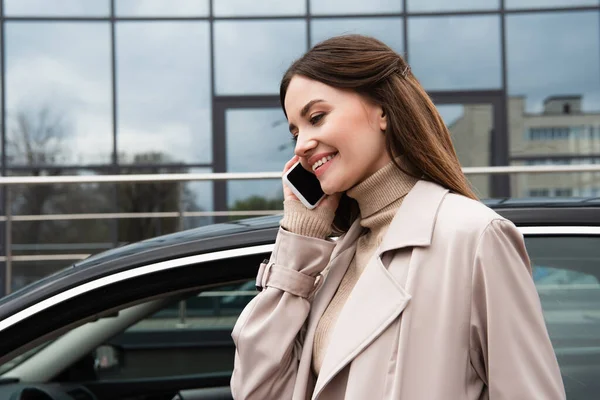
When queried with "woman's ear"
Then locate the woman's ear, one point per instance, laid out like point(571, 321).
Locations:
point(382, 120)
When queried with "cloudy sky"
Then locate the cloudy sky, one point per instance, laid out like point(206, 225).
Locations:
point(163, 68)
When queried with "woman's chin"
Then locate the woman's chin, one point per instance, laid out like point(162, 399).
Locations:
point(329, 189)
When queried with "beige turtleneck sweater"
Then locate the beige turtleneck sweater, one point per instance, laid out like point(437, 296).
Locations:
point(378, 197)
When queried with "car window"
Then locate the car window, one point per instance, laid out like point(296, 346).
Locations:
point(566, 271)
point(192, 336)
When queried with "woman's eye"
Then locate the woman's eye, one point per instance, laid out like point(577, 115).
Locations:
point(316, 119)
point(294, 138)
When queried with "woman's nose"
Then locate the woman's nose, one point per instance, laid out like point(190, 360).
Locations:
point(304, 146)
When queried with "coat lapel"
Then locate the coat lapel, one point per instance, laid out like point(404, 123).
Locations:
point(377, 298)
point(375, 302)
point(340, 260)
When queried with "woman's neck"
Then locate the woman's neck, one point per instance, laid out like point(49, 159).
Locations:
point(377, 194)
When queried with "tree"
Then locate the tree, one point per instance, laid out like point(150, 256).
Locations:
point(256, 203)
point(36, 140)
point(152, 197)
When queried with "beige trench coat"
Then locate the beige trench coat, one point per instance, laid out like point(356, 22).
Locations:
point(445, 309)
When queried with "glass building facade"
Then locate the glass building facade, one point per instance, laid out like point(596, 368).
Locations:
point(153, 86)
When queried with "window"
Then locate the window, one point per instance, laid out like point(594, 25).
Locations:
point(566, 271)
point(554, 192)
point(534, 42)
point(539, 192)
point(563, 192)
point(58, 93)
point(164, 92)
point(455, 5)
point(320, 7)
point(76, 237)
point(161, 8)
point(455, 53)
point(229, 8)
point(57, 8)
point(251, 56)
point(257, 140)
point(548, 3)
point(388, 30)
point(555, 133)
point(188, 337)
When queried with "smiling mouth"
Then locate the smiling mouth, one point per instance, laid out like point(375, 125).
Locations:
point(322, 162)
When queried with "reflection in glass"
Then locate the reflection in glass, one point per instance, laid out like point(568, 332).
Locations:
point(388, 30)
point(58, 8)
point(583, 184)
point(336, 7)
point(257, 140)
point(561, 56)
point(197, 197)
point(455, 5)
point(554, 98)
point(455, 53)
point(567, 277)
point(58, 93)
point(163, 89)
point(548, 3)
point(160, 197)
point(161, 8)
point(229, 8)
point(470, 126)
point(60, 235)
point(251, 56)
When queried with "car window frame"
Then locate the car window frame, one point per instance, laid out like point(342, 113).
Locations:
point(53, 305)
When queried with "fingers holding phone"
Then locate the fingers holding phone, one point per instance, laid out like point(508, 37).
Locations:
point(304, 186)
point(287, 192)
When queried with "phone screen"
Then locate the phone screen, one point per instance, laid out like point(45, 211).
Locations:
point(306, 183)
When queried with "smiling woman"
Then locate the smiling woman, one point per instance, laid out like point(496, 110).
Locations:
point(332, 319)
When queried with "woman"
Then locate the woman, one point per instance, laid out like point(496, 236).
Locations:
point(426, 295)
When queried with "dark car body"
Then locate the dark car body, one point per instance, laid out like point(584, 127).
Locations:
point(209, 273)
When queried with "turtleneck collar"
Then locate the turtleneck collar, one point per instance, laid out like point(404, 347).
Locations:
point(382, 189)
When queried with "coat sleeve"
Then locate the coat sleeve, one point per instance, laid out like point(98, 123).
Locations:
point(265, 334)
point(510, 346)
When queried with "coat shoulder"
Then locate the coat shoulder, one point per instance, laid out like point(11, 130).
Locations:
point(461, 215)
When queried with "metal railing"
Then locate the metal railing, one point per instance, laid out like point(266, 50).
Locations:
point(9, 182)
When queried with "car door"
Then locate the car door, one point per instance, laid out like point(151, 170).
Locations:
point(566, 272)
point(189, 337)
point(160, 355)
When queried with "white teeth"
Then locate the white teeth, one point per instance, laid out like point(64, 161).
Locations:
point(322, 161)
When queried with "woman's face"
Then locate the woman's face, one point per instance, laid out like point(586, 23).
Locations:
point(339, 127)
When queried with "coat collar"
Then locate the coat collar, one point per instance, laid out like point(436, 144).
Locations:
point(414, 222)
point(378, 297)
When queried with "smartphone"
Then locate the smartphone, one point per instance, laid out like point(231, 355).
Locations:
point(304, 185)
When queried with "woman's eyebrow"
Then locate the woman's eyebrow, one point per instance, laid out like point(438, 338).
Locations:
point(308, 105)
point(305, 110)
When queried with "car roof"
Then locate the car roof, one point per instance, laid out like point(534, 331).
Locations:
point(520, 211)
point(263, 230)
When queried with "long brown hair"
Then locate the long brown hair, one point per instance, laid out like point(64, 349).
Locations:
point(415, 129)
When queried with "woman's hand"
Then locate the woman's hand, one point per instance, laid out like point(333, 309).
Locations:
point(330, 202)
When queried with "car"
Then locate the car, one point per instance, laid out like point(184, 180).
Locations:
point(152, 320)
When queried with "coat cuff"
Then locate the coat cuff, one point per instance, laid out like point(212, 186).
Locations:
point(301, 253)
